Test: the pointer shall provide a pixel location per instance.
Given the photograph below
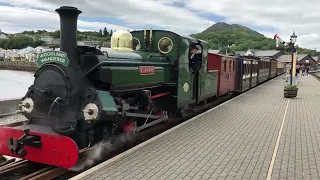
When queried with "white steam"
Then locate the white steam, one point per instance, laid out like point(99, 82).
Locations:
point(99, 151)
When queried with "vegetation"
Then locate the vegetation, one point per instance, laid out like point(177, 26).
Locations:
point(32, 38)
point(293, 86)
point(101, 35)
point(234, 37)
point(19, 42)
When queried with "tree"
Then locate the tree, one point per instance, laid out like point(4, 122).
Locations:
point(100, 33)
point(111, 32)
point(55, 34)
point(19, 42)
point(105, 32)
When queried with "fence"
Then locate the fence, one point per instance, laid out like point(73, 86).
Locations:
point(19, 66)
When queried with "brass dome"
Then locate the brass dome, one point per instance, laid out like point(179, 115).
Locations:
point(121, 40)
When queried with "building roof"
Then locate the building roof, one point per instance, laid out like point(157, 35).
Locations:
point(301, 56)
point(315, 58)
point(262, 53)
point(266, 53)
point(213, 51)
point(241, 53)
point(287, 58)
point(284, 58)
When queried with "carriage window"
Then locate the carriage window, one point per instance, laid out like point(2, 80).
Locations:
point(233, 62)
point(225, 65)
point(243, 68)
point(230, 66)
point(253, 66)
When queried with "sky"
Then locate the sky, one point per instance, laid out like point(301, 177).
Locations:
point(181, 16)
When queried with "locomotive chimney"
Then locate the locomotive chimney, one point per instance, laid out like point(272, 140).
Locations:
point(68, 31)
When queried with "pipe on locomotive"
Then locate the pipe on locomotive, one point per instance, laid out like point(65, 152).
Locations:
point(68, 31)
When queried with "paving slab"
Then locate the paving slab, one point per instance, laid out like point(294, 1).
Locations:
point(256, 134)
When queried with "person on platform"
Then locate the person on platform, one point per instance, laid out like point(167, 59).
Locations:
point(307, 70)
point(287, 78)
point(297, 71)
point(303, 69)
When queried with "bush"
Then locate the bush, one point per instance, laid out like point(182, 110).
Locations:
point(293, 86)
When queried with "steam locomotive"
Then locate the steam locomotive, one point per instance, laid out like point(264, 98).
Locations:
point(82, 96)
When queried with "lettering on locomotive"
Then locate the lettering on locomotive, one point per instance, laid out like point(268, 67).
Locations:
point(53, 56)
point(146, 70)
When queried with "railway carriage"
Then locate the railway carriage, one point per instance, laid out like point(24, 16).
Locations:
point(244, 72)
point(280, 68)
point(264, 70)
point(273, 68)
point(226, 65)
point(255, 73)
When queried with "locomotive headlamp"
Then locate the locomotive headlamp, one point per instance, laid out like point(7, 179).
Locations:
point(165, 45)
point(26, 105)
point(90, 112)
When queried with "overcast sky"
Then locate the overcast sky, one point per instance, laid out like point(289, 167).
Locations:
point(182, 16)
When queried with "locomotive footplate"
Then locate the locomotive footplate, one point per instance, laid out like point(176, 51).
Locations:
point(49, 149)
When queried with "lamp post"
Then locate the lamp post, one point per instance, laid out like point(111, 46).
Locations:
point(293, 39)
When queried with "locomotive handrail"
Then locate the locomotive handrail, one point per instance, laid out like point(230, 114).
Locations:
point(109, 63)
point(161, 55)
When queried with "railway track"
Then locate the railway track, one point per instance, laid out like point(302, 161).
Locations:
point(16, 169)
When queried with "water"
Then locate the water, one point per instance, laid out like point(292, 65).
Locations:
point(14, 84)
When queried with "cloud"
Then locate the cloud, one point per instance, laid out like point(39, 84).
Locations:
point(182, 16)
point(162, 13)
point(20, 19)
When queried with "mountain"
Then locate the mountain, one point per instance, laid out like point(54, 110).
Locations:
point(235, 37)
point(224, 27)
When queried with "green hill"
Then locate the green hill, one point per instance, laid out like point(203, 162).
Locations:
point(234, 37)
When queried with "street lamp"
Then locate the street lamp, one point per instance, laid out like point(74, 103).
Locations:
point(293, 39)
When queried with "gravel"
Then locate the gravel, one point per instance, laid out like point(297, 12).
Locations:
point(12, 119)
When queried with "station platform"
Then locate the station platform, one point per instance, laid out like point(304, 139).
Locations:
point(257, 135)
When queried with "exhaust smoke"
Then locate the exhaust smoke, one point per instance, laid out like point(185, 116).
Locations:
point(100, 151)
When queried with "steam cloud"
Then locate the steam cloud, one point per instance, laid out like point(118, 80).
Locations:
point(99, 151)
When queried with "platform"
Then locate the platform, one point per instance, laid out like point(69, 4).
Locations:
point(255, 135)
